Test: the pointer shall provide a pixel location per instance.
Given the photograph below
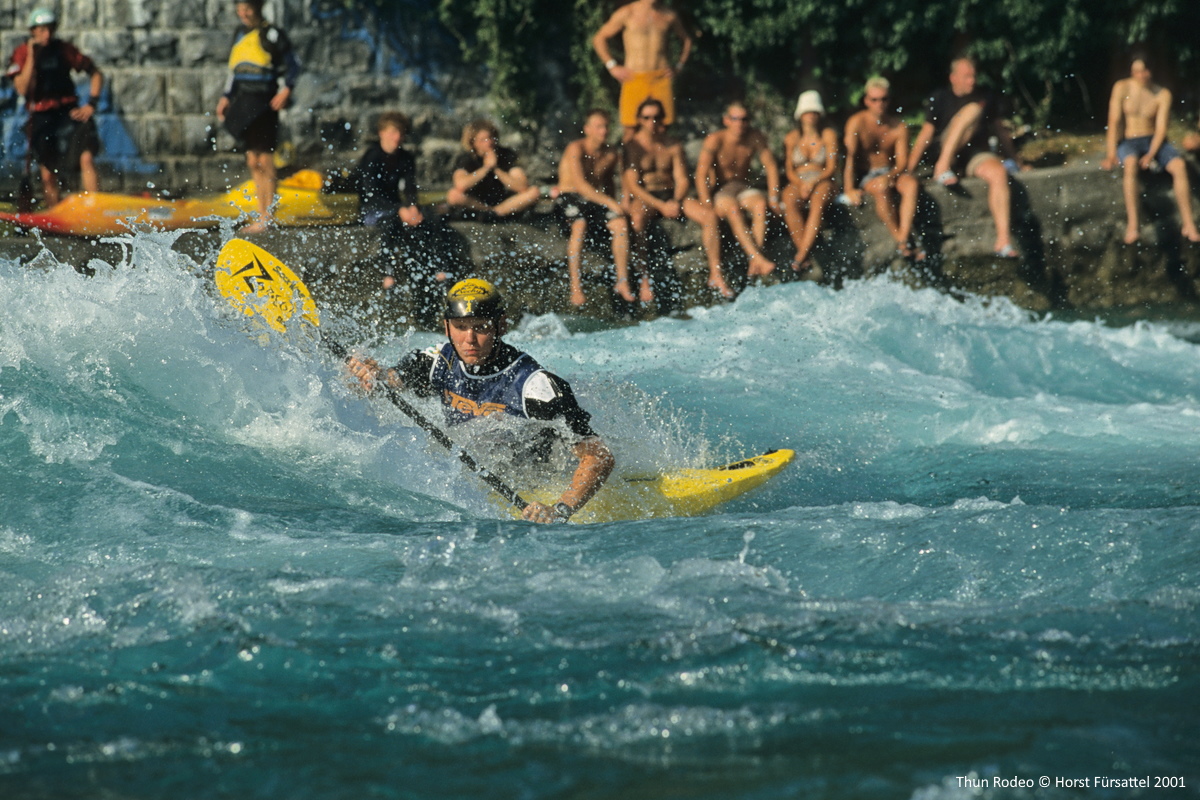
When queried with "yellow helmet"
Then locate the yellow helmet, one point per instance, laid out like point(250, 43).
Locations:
point(474, 297)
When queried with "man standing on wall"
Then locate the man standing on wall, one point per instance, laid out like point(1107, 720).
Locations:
point(61, 132)
point(253, 98)
point(644, 27)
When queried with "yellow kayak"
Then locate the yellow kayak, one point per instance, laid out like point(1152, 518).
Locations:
point(299, 202)
point(679, 493)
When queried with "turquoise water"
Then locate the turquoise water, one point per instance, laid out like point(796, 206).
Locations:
point(224, 574)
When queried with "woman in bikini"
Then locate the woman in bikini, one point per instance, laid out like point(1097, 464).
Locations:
point(810, 158)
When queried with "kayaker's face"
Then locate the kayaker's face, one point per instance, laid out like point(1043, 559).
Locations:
point(41, 34)
point(390, 139)
point(248, 15)
point(473, 338)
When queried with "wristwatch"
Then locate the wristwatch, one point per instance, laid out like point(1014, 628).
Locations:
point(563, 511)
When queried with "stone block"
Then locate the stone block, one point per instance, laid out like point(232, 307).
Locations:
point(128, 13)
point(77, 14)
point(158, 135)
point(141, 91)
point(108, 48)
point(202, 48)
point(185, 93)
point(156, 48)
point(198, 134)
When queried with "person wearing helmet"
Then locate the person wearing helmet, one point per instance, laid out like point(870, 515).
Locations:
point(477, 374)
point(60, 131)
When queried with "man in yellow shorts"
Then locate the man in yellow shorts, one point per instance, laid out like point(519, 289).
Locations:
point(645, 27)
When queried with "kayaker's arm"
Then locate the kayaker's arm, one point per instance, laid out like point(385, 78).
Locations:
point(596, 463)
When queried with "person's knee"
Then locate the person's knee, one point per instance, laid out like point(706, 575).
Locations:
point(456, 197)
point(618, 226)
point(755, 204)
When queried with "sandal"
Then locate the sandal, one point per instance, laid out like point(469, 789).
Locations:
point(947, 178)
point(1008, 251)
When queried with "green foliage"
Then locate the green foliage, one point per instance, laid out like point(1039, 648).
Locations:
point(1055, 59)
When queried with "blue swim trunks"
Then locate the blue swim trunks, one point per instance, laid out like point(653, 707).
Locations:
point(1140, 145)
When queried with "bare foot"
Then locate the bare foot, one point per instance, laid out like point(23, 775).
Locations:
point(807, 270)
point(577, 298)
point(1191, 234)
point(645, 293)
point(760, 265)
point(261, 226)
point(718, 285)
point(1132, 235)
point(623, 291)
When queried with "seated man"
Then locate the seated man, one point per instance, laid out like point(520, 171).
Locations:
point(963, 118)
point(586, 188)
point(386, 182)
point(486, 176)
point(722, 180)
point(476, 374)
point(1141, 109)
point(656, 184)
point(877, 162)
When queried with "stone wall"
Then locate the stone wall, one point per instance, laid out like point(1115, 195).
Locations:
point(165, 66)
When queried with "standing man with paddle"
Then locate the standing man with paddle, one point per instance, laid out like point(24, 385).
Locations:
point(253, 98)
point(61, 132)
point(478, 375)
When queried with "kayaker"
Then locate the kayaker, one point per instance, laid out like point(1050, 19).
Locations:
point(262, 55)
point(478, 375)
point(60, 131)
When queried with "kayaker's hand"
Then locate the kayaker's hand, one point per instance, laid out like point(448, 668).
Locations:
point(280, 100)
point(365, 369)
point(537, 512)
point(222, 107)
point(83, 113)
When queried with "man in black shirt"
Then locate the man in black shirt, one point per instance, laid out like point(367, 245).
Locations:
point(386, 182)
point(486, 176)
point(963, 118)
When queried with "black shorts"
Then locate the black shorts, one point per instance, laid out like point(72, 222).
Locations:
point(58, 141)
point(572, 207)
point(262, 135)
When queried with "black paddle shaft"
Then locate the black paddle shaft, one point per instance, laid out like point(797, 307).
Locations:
point(393, 394)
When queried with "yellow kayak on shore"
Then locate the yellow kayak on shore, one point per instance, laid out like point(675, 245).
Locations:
point(299, 202)
point(678, 493)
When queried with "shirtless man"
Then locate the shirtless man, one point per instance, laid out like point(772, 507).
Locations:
point(656, 180)
point(1141, 108)
point(877, 163)
point(586, 176)
point(644, 27)
point(722, 180)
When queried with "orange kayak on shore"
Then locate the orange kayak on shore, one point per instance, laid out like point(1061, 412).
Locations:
point(299, 202)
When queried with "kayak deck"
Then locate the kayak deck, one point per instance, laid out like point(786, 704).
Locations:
point(678, 493)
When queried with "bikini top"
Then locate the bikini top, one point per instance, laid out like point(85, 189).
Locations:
point(799, 159)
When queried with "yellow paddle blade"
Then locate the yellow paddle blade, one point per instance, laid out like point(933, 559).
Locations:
point(261, 285)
